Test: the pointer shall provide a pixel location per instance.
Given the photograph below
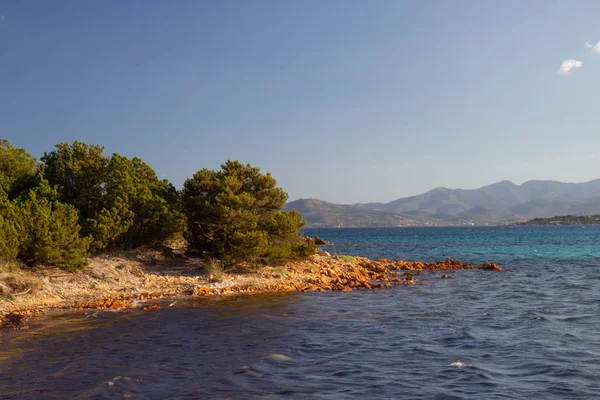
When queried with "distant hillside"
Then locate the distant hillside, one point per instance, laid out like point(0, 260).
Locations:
point(490, 211)
point(318, 213)
point(505, 193)
point(549, 207)
point(499, 203)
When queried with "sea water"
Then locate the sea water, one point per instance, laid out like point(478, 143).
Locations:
point(529, 331)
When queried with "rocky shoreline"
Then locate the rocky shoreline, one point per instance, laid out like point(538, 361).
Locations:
point(137, 281)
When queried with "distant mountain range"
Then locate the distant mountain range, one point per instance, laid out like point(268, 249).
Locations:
point(500, 203)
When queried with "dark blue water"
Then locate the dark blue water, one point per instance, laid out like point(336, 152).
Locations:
point(529, 331)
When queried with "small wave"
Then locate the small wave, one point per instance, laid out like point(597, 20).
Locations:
point(249, 371)
point(459, 364)
point(278, 357)
point(113, 380)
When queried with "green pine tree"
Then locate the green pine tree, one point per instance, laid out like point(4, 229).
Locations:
point(235, 214)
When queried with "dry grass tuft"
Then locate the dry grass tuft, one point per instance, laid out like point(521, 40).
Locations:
point(280, 271)
point(9, 266)
point(214, 269)
point(18, 283)
point(348, 259)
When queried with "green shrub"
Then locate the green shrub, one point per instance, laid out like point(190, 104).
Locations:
point(14, 164)
point(9, 240)
point(52, 234)
point(154, 204)
point(80, 199)
point(304, 248)
point(121, 202)
point(10, 230)
point(235, 214)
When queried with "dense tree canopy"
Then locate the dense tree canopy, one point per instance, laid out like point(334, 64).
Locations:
point(10, 229)
point(79, 171)
point(78, 200)
point(16, 166)
point(52, 233)
point(34, 225)
point(121, 202)
point(235, 213)
point(14, 162)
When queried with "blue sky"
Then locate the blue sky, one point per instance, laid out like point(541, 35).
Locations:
point(346, 101)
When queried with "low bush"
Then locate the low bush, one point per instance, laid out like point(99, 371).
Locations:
point(10, 235)
point(52, 235)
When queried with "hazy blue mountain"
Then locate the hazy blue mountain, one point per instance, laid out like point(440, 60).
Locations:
point(545, 207)
point(590, 206)
point(493, 211)
point(550, 207)
point(497, 203)
point(505, 193)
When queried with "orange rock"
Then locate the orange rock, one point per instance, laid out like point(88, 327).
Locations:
point(117, 304)
point(488, 266)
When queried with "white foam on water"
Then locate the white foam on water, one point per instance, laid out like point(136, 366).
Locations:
point(278, 357)
point(459, 364)
point(113, 380)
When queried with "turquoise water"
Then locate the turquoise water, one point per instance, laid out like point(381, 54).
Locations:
point(529, 331)
point(500, 244)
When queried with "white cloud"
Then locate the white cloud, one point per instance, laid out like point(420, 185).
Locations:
point(594, 47)
point(568, 65)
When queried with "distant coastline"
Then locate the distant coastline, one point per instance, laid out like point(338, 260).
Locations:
point(502, 203)
point(565, 220)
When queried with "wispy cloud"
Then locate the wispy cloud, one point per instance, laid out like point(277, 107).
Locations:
point(568, 65)
point(594, 47)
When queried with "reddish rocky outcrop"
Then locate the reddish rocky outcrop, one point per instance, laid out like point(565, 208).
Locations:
point(488, 266)
point(318, 273)
point(323, 273)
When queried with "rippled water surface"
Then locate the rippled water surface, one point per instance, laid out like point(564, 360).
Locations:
point(530, 331)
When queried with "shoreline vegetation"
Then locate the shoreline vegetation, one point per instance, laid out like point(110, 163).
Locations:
point(137, 280)
point(83, 230)
point(565, 220)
